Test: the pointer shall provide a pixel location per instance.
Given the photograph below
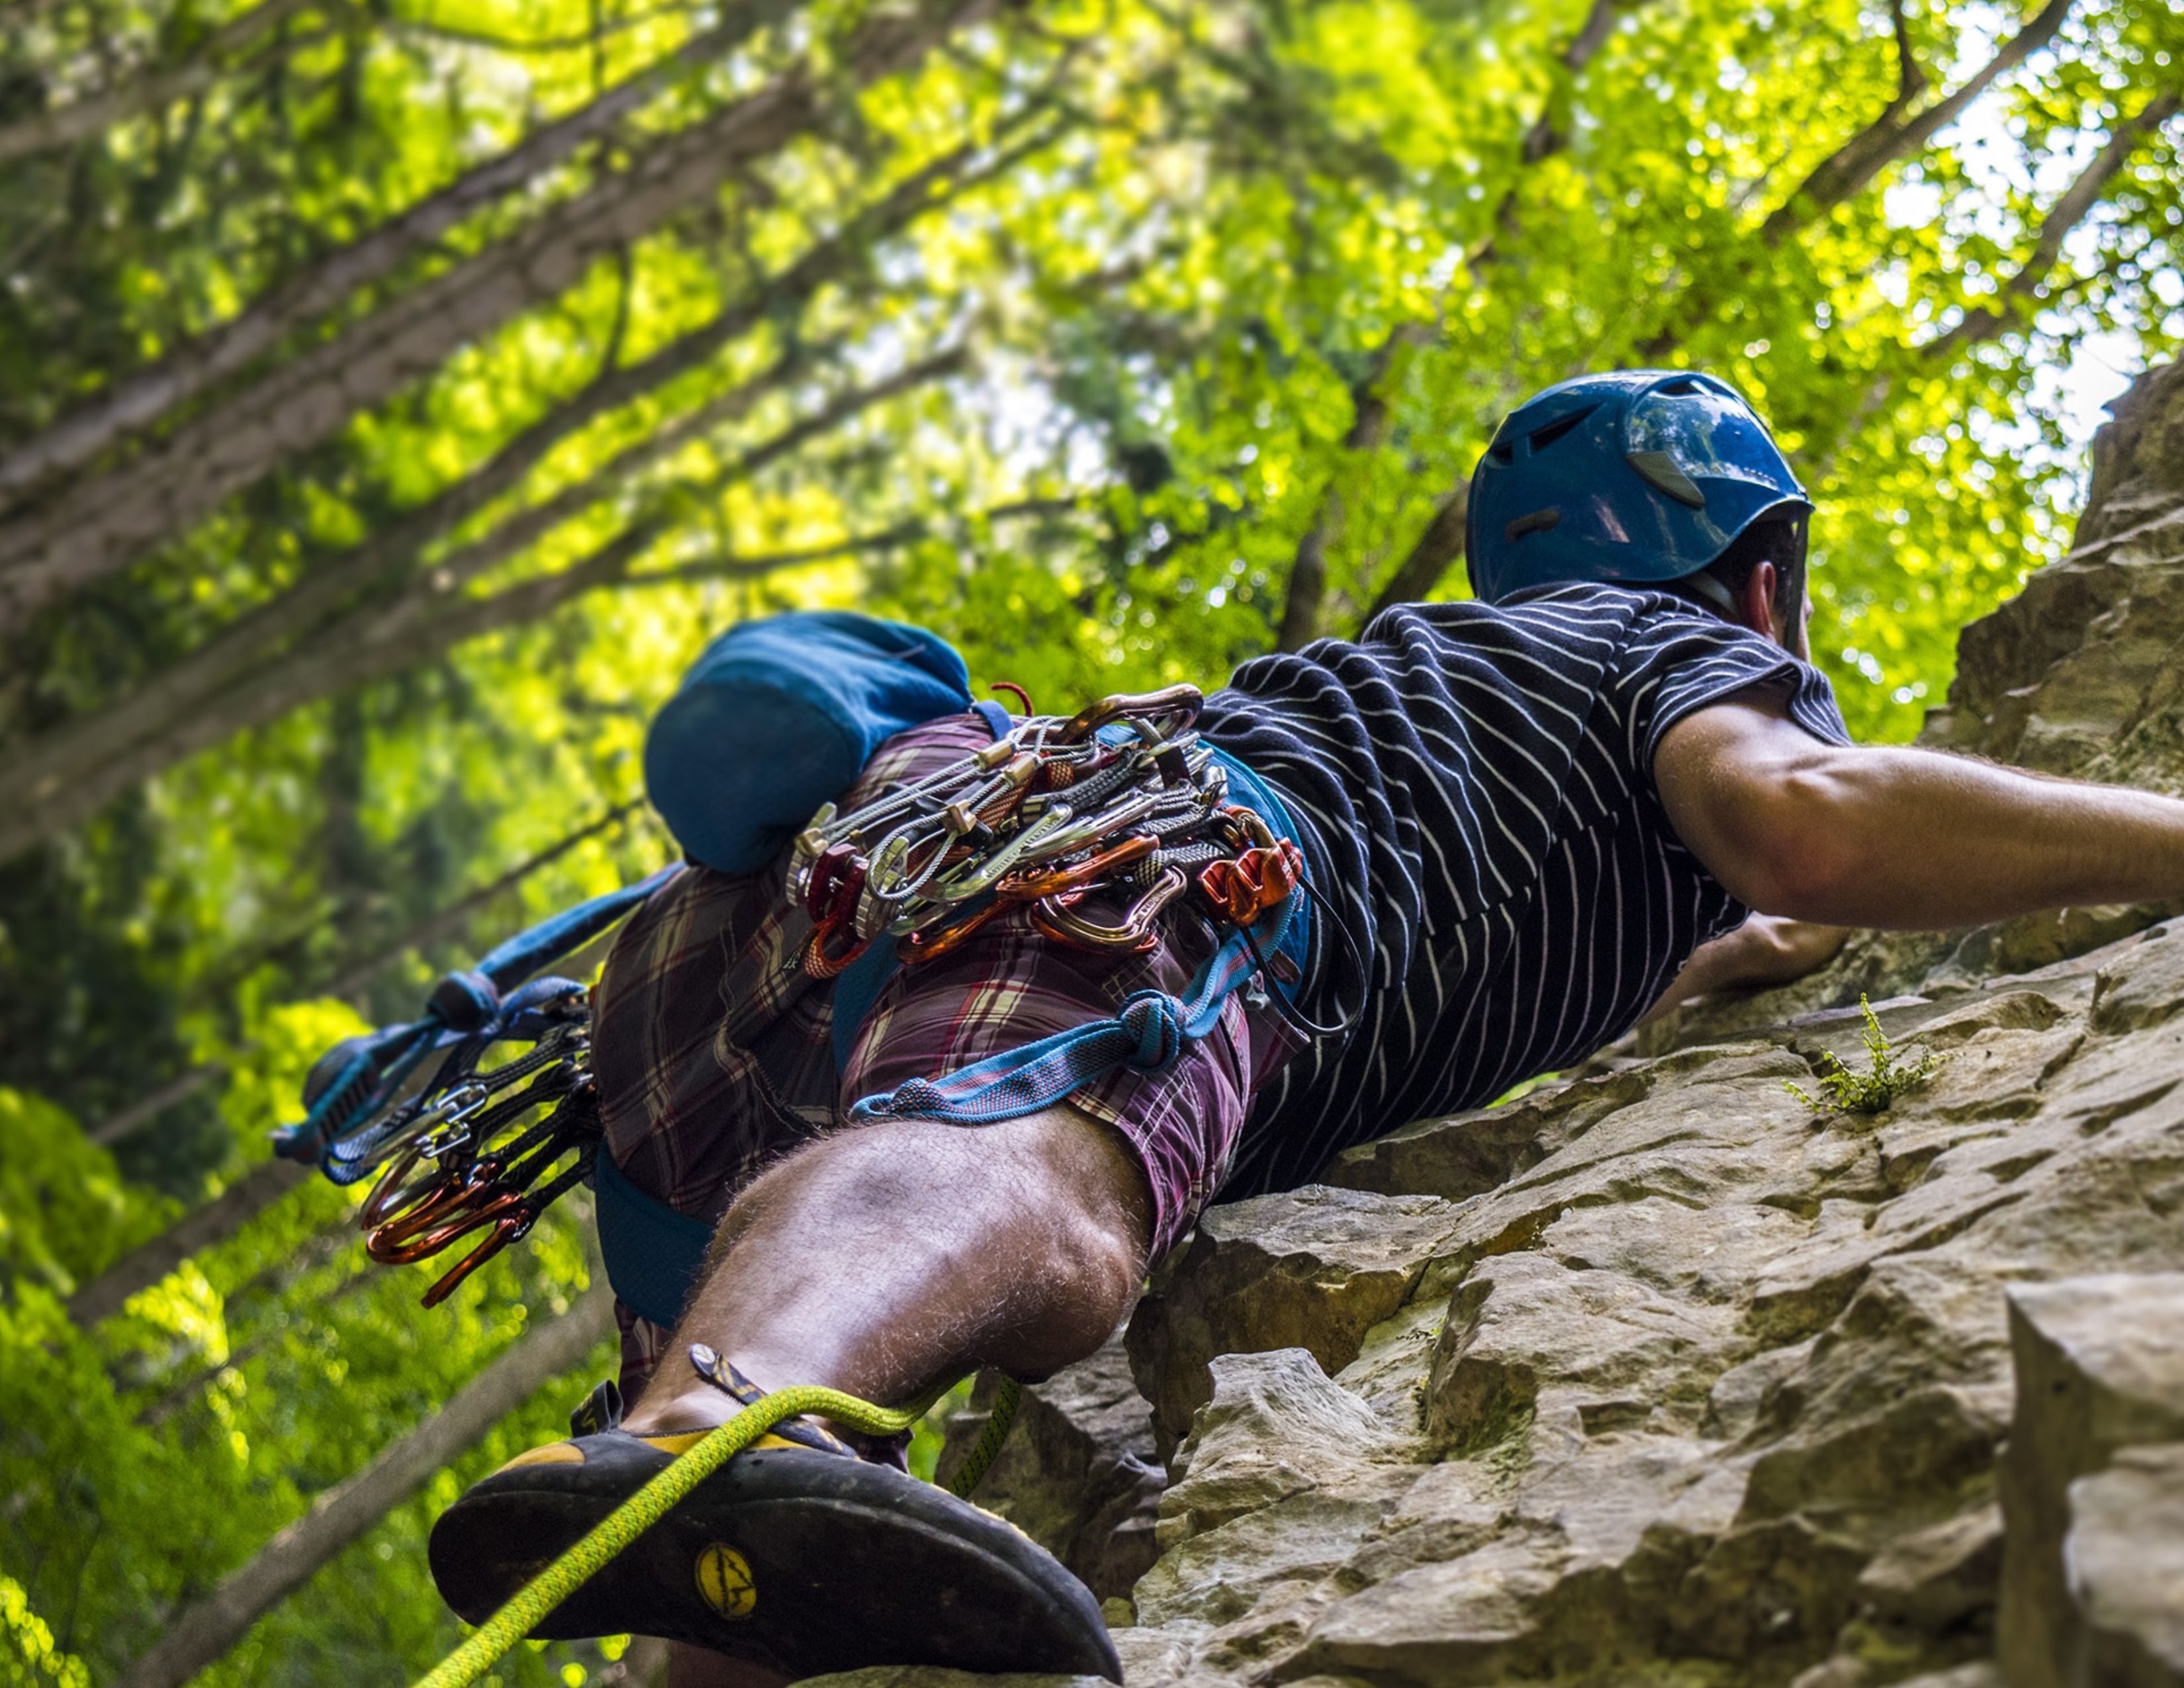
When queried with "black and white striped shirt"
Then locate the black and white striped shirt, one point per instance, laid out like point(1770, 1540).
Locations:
point(1474, 788)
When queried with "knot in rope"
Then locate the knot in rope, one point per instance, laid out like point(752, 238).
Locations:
point(1155, 1020)
point(464, 1001)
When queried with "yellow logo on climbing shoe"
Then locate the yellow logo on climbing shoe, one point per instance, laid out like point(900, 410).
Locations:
point(724, 1582)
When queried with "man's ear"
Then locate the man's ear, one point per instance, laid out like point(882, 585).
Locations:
point(1755, 603)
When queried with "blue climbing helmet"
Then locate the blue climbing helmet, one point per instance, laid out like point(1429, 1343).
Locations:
point(1636, 476)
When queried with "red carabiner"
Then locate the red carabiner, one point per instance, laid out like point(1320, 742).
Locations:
point(821, 963)
point(410, 1241)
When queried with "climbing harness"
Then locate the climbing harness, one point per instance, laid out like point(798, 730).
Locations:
point(1121, 802)
point(497, 1636)
point(1093, 825)
point(1121, 797)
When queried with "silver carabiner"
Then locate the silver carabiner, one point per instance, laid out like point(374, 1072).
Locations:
point(445, 1126)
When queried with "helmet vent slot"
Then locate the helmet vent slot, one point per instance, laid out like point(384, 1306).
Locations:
point(1543, 437)
point(1537, 521)
point(1663, 473)
point(1683, 389)
point(1502, 451)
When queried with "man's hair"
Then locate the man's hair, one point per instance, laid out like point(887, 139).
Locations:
point(1776, 539)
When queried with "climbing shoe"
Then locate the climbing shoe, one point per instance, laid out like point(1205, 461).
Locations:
point(796, 1554)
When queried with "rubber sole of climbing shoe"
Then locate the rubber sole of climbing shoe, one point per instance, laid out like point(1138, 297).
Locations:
point(806, 1562)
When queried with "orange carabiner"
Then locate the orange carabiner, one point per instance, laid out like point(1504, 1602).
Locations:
point(510, 1228)
point(405, 1243)
point(1029, 884)
point(1246, 888)
point(930, 944)
point(1134, 933)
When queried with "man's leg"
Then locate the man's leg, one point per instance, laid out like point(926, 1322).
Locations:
point(887, 1258)
point(882, 1259)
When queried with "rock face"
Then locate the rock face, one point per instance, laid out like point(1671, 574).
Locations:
point(1078, 1473)
point(1656, 1375)
point(2095, 1523)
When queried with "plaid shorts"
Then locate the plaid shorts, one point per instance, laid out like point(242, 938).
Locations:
point(714, 1056)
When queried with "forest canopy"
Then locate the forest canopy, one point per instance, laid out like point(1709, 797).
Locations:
point(396, 394)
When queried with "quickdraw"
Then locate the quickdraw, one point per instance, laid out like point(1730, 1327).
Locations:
point(470, 1153)
point(1121, 799)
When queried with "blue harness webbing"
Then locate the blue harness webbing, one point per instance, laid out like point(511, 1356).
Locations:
point(348, 1117)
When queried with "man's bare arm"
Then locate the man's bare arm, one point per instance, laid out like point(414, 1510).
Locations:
point(1766, 949)
point(1869, 835)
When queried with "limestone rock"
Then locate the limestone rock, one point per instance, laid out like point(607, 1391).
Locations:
point(2124, 1556)
point(1313, 1268)
point(1078, 1473)
point(2099, 1366)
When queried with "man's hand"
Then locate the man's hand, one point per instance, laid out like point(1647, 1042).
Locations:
point(1885, 836)
point(1766, 949)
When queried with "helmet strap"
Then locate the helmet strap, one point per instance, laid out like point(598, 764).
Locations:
point(1713, 592)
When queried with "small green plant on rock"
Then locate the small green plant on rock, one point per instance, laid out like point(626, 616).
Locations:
point(1872, 1091)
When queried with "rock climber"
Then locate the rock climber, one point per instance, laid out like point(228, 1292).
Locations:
point(1526, 819)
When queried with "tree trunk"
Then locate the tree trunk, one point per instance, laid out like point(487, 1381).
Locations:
point(81, 119)
point(426, 622)
point(36, 782)
point(142, 1268)
point(137, 401)
point(348, 1511)
point(1430, 558)
point(98, 525)
point(1304, 602)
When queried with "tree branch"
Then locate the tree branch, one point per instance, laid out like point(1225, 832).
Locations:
point(99, 525)
point(1894, 134)
point(1430, 557)
point(2023, 288)
point(856, 544)
point(2073, 208)
point(138, 401)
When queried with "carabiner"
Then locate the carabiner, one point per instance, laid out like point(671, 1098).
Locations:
point(404, 1245)
point(821, 963)
point(1133, 935)
point(391, 1199)
point(512, 1227)
point(1185, 700)
point(1029, 884)
point(1244, 888)
point(920, 946)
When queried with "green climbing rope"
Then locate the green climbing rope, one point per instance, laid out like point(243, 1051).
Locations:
point(499, 1633)
point(999, 1419)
